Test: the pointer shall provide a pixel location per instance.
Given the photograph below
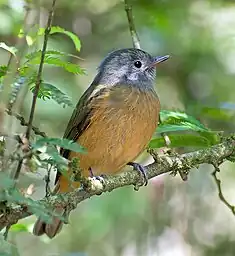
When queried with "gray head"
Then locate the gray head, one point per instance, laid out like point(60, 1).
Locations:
point(129, 67)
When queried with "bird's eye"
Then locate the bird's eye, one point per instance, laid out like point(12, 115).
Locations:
point(138, 64)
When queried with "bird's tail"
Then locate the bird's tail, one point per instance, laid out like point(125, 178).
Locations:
point(50, 229)
point(54, 227)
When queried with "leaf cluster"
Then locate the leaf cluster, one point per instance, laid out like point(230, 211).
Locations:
point(27, 75)
point(183, 130)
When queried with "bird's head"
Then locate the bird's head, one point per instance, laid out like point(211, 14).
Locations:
point(131, 67)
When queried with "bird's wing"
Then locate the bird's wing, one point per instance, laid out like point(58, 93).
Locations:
point(79, 120)
point(81, 116)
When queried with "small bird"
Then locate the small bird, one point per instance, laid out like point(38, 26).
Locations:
point(114, 120)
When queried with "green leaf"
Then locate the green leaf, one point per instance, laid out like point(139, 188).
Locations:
point(51, 92)
point(63, 143)
point(26, 71)
point(182, 119)
point(186, 140)
point(70, 67)
point(38, 54)
point(71, 35)
point(55, 157)
point(19, 227)
point(54, 58)
point(10, 49)
point(46, 90)
point(3, 70)
point(42, 93)
point(184, 126)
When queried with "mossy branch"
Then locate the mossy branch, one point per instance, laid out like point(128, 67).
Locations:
point(163, 164)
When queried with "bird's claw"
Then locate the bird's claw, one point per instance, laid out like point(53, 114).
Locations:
point(99, 178)
point(141, 169)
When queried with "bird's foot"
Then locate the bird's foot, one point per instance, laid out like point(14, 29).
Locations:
point(99, 178)
point(141, 169)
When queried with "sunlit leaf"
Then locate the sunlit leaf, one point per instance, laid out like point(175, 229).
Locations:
point(71, 35)
point(38, 54)
point(184, 126)
point(70, 67)
point(19, 227)
point(186, 140)
point(3, 70)
point(171, 117)
point(54, 58)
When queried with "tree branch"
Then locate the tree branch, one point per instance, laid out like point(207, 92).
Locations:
point(220, 193)
point(164, 164)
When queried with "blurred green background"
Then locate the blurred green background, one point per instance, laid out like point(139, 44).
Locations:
point(169, 217)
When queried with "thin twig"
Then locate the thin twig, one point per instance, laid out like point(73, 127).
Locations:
point(164, 135)
point(220, 193)
point(39, 75)
point(38, 81)
point(47, 180)
point(134, 35)
point(24, 123)
point(5, 235)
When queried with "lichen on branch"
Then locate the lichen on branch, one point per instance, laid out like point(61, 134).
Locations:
point(162, 164)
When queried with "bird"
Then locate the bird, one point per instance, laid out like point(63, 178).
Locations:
point(114, 120)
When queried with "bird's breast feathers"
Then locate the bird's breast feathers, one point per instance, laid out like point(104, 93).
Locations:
point(122, 122)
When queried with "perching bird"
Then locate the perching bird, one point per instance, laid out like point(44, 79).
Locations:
point(114, 120)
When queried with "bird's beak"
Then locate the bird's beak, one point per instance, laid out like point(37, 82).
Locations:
point(160, 59)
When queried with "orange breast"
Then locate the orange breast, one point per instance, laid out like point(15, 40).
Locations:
point(122, 124)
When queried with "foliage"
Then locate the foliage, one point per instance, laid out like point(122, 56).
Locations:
point(54, 58)
point(195, 134)
point(49, 91)
point(186, 140)
point(19, 227)
point(3, 70)
point(63, 143)
point(58, 29)
point(179, 120)
point(197, 34)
